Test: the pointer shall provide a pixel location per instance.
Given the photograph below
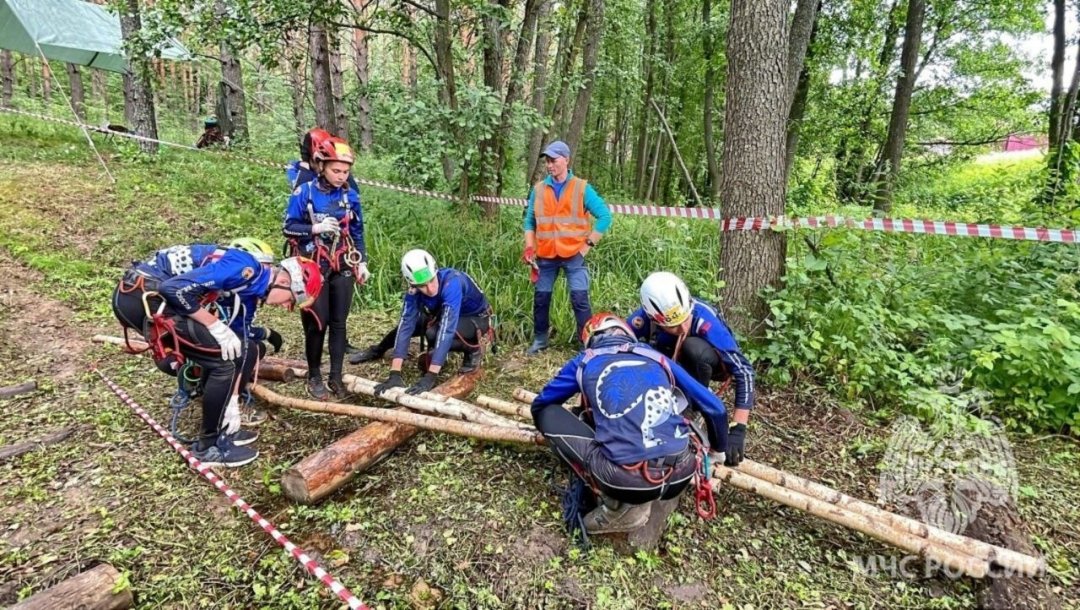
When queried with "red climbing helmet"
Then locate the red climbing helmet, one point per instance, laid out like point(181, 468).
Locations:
point(311, 141)
point(334, 149)
point(305, 280)
point(602, 323)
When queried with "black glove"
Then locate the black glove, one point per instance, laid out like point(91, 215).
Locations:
point(736, 445)
point(393, 381)
point(274, 338)
point(428, 381)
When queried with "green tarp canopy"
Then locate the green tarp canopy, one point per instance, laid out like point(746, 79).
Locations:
point(71, 31)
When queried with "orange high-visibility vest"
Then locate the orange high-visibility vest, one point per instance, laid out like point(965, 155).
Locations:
point(562, 225)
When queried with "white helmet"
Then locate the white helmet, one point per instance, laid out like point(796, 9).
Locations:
point(666, 298)
point(418, 267)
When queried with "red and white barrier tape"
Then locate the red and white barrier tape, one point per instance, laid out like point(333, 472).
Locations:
point(887, 225)
point(299, 554)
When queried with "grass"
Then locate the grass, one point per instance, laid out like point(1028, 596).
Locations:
point(444, 522)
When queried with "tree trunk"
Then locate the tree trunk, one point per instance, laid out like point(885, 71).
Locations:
point(139, 97)
point(493, 60)
point(707, 102)
point(802, 31)
point(78, 95)
point(297, 80)
point(444, 57)
point(1057, 68)
point(514, 88)
point(363, 77)
point(7, 79)
point(46, 81)
point(99, 87)
point(539, 88)
point(752, 176)
point(641, 151)
point(321, 79)
point(898, 121)
point(409, 75)
point(589, 59)
point(234, 122)
point(802, 91)
point(31, 80)
point(564, 73)
point(337, 82)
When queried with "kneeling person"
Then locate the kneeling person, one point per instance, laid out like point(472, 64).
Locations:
point(443, 305)
point(694, 335)
point(638, 448)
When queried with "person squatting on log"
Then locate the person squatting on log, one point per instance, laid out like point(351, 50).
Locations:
point(691, 333)
point(324, 221)
point(630, 444)
point(169, 298)
point(558, 235)
point(444, 306)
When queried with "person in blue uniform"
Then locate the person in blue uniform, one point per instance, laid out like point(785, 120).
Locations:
point(324, 222)
point(173, 300)
point(445, 306)
point(638, 448)
point(691, 332)
point(303, 170)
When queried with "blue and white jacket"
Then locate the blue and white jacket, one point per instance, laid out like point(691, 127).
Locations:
point(635, 394)
point(705, 324)
point(458, 297)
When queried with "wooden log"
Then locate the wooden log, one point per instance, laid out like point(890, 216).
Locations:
point(430, 402)
point(523, 395)
point(325, 471)
point(94, 589)
point(15, 390)
point(394, 416)
point(1000, 556)
point(270, 369)
point(51, 438)
point(504, 407)
point(276, 372)
point(932, 552)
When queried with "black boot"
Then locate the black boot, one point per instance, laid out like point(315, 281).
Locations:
point(472, 360)
point(337, 388)
point(368, 354)
point(317, 388)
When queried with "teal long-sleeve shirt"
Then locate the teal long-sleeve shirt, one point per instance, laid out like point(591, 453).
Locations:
point(594, 204)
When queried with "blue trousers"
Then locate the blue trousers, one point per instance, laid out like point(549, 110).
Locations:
point(577, 277)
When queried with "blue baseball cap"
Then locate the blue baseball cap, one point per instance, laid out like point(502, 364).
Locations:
point(556, 149)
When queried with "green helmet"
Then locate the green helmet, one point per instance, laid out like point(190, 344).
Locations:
point(418, 267)
point(255, 247)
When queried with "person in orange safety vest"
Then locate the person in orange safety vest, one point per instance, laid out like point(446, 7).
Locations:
point(558, 235)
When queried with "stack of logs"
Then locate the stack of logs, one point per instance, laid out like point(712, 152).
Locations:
point(494, 419)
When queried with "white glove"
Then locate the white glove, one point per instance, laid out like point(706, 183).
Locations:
point(717, 458)
point(326, 225)
point(230, 424)
point(231, 347)
point(362, 273)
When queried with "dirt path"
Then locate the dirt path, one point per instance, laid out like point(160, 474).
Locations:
point(44, 331)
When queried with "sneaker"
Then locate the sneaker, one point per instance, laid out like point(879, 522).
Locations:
point(225, 454)
point(337, 388)
point(472, 361)
point(624, 518)
point(252, 416)
point(317, 389)
point(245, 437)
point(540, 343)
point(368, 354)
